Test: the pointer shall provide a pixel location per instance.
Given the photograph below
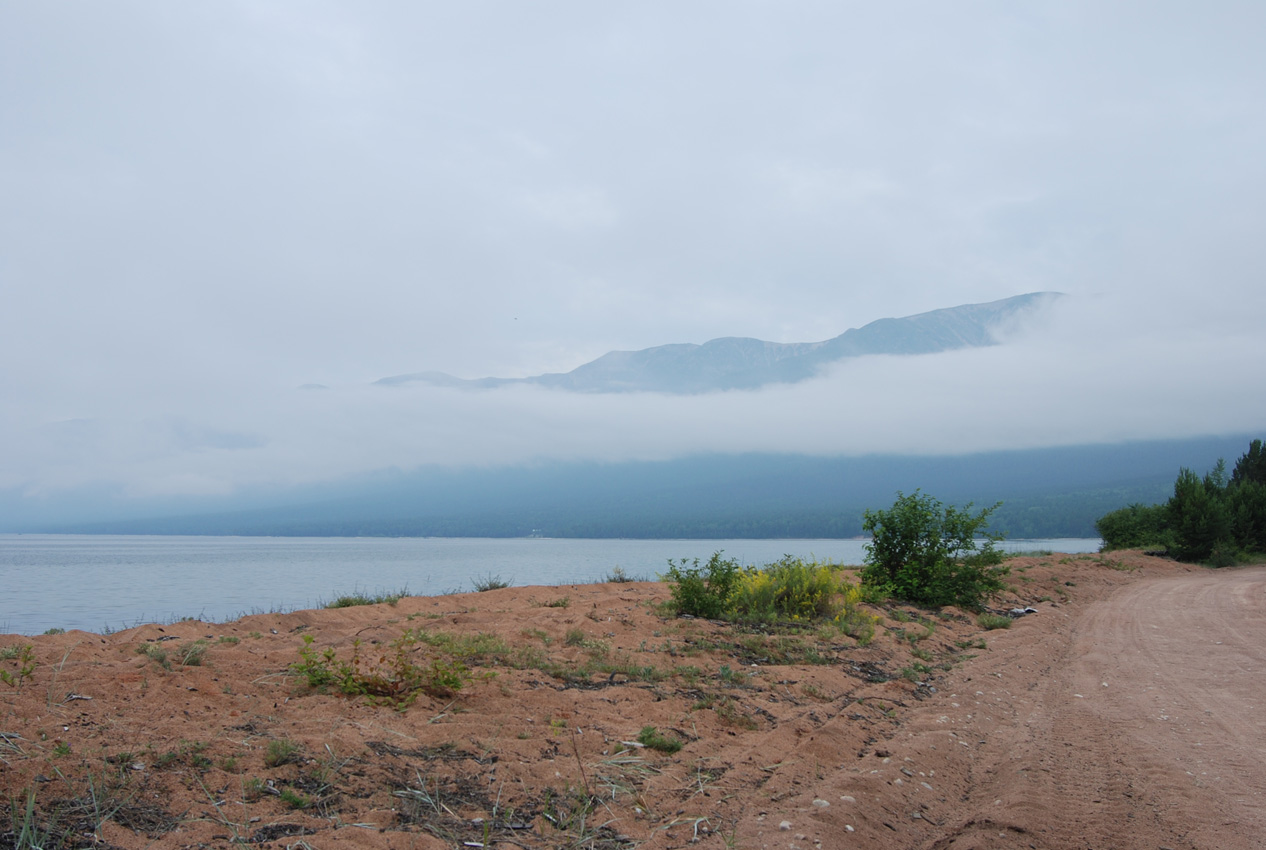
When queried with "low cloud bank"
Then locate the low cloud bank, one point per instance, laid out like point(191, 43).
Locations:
point(1093, 373)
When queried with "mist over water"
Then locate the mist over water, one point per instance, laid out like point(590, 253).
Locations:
point(98, 583)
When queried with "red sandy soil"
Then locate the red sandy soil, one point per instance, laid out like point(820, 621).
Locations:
point(1126, 713)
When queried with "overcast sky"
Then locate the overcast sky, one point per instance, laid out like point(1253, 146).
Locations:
point(205, 206)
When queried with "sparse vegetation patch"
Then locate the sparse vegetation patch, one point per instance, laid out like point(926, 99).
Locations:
point(355, 598)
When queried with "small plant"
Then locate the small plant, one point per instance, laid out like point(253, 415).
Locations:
point(727, 711)
point(191, 654)
point(618, 576)
point(26, 831)
point(421, 804)
point(575, 637)
point(393, 677)
point(155, 652)
point(294, 799)
point(230, 640)
point(568, 813)
point(320, 669)
point(488, 582)
point(166, 760)
point(187, 752)
point(915, 672)
point(54, 631)
point(853, 620)
point(539, 634)
point(929, 629)
point(689, 674)
point(61, 749)
point(993, 621)
point(561, 602)
point(281, 751)
point(651, 737)
point(1122, 567)
point(623, 666)
point(24, 654)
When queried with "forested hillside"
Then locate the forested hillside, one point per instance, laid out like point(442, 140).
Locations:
point(1044, 493)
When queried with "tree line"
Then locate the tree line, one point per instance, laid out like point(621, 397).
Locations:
point(1215, 519)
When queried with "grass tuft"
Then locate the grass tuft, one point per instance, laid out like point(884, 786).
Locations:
point(281, 751)
point(653, 738)
point(489, 582)
point(355, 598)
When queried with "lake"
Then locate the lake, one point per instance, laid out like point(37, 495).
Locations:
point(109, 582)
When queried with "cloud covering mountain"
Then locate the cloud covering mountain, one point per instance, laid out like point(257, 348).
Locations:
point(732, 363)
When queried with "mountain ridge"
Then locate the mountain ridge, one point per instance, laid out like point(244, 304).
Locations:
point(742, 363)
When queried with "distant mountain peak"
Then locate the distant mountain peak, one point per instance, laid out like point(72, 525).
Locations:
point(743, 363)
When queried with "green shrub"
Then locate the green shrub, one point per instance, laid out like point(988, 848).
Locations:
point(703, 591)
point(928, 553)
point(1137, 526)
point(788, 589)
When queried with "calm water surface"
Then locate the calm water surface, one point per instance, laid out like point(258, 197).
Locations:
point(105, 582)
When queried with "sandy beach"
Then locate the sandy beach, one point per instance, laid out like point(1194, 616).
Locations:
point(1119, 715)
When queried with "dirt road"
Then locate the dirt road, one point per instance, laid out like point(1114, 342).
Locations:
point(1136, 721)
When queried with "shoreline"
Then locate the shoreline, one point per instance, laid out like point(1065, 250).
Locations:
point(130, 582)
